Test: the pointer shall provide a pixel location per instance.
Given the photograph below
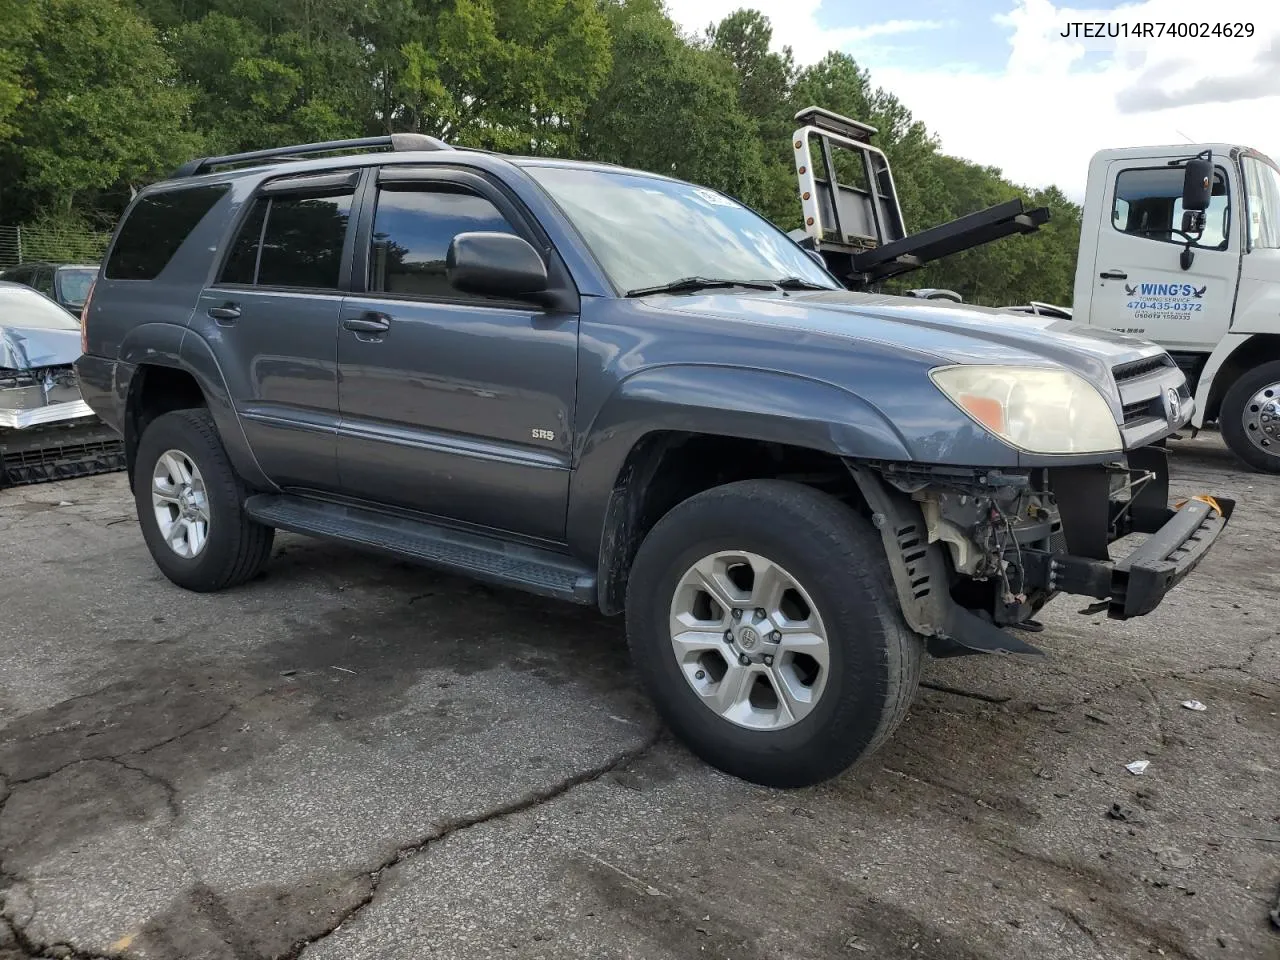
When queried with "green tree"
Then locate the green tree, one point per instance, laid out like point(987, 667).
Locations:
point(511, 75)
point(503, 74)
point(257, 89)
point(765, 95)
point(102, 109)
point(17, 21)
point(671, 106)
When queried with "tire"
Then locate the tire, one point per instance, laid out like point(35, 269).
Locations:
point(1240, 417)
point(235, 548)
point(831, 554)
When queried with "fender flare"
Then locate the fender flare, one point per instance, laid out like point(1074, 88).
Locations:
point(723, 401)
point(177, 348)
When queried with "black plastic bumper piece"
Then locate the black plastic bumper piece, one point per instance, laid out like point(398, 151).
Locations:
point(1135, 585)
point(58, 452)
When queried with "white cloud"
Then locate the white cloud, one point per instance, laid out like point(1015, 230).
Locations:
point(1048, 109)
point(795, 24)
point(888, 28)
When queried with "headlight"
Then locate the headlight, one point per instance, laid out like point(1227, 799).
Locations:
point(1032, 408)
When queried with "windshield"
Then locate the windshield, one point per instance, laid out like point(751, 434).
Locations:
point(74, 284)
point(647, 232)
point(1262, 193)
point(23, 307)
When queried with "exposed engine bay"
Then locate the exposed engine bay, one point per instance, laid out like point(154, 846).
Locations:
point(976, 550)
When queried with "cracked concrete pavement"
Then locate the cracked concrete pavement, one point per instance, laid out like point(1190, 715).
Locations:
point(352, 758)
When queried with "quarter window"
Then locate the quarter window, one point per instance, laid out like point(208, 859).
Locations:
point(1148, 203)
point(291, 240)
point(155, 228)
point(412, 230)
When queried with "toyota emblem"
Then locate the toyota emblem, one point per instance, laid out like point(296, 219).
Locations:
point(1173, 407)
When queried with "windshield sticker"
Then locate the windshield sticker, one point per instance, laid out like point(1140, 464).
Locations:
point(1164, 301)
point(713, 198)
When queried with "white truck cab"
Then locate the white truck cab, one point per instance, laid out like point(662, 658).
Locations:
point(1211, 298)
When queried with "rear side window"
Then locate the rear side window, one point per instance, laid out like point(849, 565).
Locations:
point(291, 240)
point(155, 228)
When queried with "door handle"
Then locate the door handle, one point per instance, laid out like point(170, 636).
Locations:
point(1113, 275)
point(370, 322)
point(227, 313)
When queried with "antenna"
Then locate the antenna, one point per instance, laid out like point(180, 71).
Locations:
point(1183, 135)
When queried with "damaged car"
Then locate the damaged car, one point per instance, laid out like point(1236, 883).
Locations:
point(617, 389)
point(47, 431)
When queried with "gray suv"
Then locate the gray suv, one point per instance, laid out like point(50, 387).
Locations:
point(617, 389)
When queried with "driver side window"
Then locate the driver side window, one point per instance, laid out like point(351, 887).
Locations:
point(413, 226)
point(1148, 204)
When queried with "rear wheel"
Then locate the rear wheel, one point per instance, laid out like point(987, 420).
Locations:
point(1250, 417)
point(190, 505)
point(763, 621)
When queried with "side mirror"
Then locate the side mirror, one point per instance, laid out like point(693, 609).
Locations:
point(496, 264)
point(1197, 184)
point(817, 258)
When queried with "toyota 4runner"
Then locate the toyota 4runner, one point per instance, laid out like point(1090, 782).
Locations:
point(617, 389)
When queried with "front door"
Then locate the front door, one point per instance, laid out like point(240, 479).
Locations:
point(271, 318)
point(1139, 286)
point(454, 405)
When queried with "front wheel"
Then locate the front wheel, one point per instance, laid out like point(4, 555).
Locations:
point(763, 621)
point(1250, 417)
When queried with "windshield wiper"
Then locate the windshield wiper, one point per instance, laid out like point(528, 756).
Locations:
point(690, 284)
point(799, 283)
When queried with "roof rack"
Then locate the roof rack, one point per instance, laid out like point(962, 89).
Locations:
point(397, 142)
point(832, 122)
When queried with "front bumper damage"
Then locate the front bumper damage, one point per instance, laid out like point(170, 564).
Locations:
point(974, 552)
point(47, 432)
point(1178, 538)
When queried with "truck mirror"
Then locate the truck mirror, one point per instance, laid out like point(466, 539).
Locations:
point(1197, 184)
point(1193, 221)
point(498, 264)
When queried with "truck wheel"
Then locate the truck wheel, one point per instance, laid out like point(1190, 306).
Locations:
point(1250, 417)
point(763, 621)
point(190, 505)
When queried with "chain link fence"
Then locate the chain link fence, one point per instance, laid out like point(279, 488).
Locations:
point(20, 244)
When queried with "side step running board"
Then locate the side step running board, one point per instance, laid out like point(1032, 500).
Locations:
point(515, 565)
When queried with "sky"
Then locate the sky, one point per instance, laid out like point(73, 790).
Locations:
point(999, 85)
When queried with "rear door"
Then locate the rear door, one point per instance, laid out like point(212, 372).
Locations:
point(1139, 286)
point(461, 407)
point(271, 317)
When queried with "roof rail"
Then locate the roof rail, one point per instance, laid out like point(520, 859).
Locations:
point(396, 141)
point(832, 122)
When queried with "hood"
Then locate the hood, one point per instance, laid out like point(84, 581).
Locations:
point(27, 348)
point(947, 331)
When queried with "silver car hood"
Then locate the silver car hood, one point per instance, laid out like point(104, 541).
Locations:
point(29, 348)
